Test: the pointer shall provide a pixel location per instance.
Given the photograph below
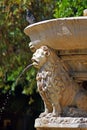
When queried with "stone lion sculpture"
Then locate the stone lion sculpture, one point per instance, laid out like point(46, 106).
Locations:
point(55, 86)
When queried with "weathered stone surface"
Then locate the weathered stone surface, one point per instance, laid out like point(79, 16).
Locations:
point(61, 129)
point(73, 112)
point(68, 37)
point(56, 87)
point(61, 75)
point(60, 34)
point(61, 122)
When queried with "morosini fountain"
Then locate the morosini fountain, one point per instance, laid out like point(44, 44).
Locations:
point(60, 54)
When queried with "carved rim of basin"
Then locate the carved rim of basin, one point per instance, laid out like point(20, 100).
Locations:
point(61, 34)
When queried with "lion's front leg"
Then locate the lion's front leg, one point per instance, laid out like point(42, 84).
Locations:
point(48, 109)
point(56, 111)
point(47, 104)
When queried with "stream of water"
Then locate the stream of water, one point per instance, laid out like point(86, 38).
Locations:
point(26, 68)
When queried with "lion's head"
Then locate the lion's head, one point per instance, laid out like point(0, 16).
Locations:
point(40, 56)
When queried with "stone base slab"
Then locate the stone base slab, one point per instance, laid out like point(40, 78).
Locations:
point(63, 123)
point(61, 129)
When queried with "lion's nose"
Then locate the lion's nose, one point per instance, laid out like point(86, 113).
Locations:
point(33, 59)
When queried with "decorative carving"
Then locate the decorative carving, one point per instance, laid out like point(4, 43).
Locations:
point(64, 122)
point(55, 86)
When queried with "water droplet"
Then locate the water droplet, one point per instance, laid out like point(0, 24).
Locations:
point(3, 108)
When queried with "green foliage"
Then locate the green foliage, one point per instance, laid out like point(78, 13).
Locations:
point(30, 78)
point(14, 52)
point(69, 8)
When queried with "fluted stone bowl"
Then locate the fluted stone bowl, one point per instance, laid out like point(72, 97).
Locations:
point(61, 34)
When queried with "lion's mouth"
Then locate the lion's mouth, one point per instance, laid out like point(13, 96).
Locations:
point(35, 62)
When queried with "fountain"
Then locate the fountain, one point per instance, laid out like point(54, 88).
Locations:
point(60, 54)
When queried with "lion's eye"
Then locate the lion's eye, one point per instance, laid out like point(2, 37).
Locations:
point(47, 53)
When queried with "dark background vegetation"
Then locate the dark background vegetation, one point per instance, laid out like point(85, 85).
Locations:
point(21, 103)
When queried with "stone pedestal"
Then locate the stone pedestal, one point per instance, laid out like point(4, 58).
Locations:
point(61, 123)
point(61, 129)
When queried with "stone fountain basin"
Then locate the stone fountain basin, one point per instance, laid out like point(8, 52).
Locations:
point(61, 34)
point(69, 37)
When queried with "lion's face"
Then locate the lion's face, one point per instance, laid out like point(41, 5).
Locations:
point(40, 56)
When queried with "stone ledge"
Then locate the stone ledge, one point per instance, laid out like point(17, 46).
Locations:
point(61, 122)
